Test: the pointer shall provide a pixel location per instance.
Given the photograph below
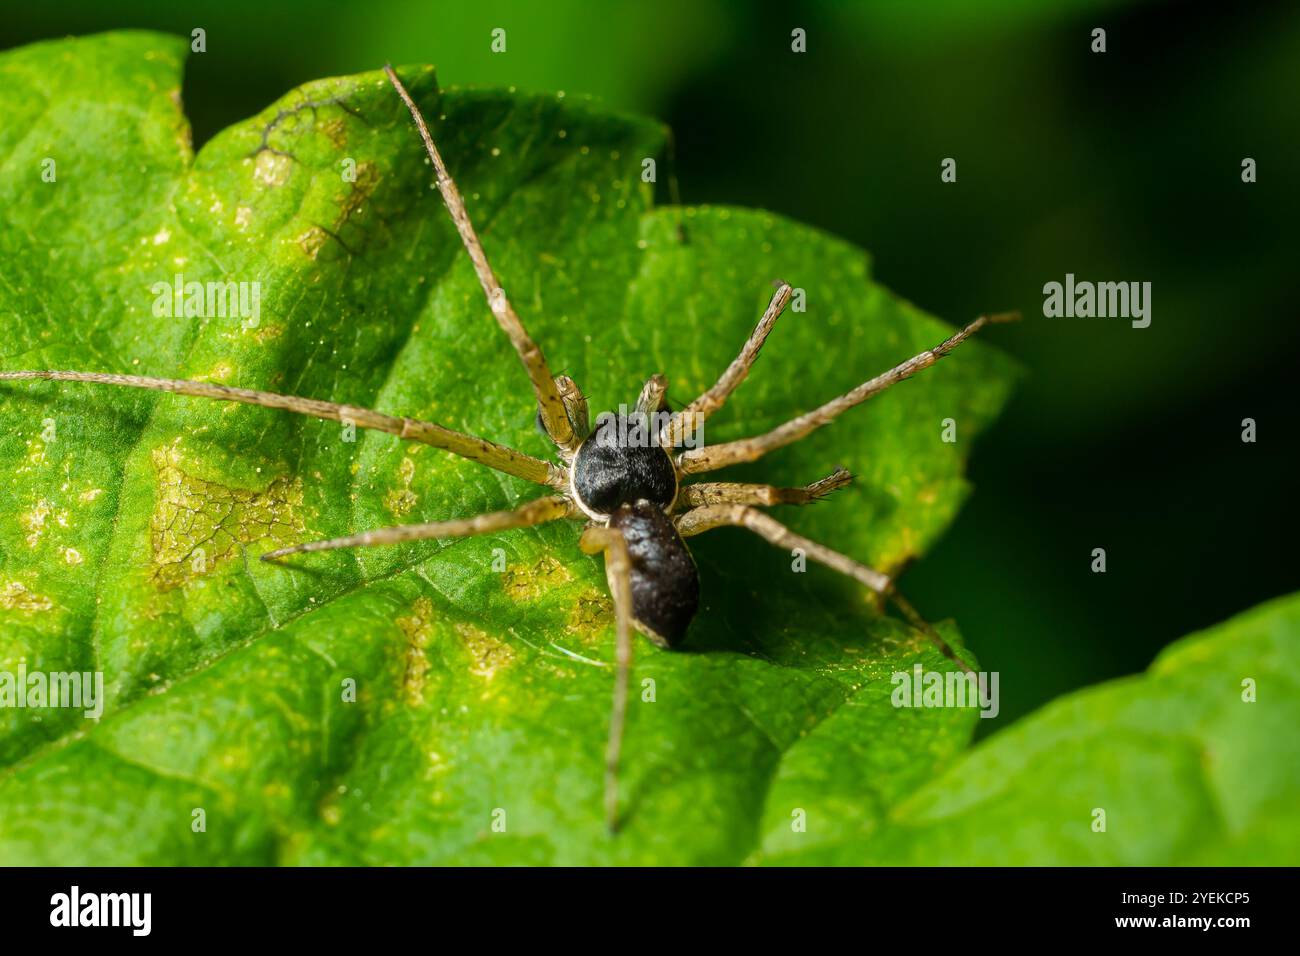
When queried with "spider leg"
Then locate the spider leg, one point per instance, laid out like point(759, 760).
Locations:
point(709, 517)
point(549, 400)
point(714, 457)
point(740, 493)
point(651, 399)
point(691, 417)
point(536, 512)
point(575, 405)
point(498, 457)
point(618, 570)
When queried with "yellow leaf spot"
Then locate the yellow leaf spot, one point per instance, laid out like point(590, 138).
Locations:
point(489, 654)
point(401, 499)
point(527, 584)
point(416, 628)
point(33, 522)
point(15, 596)
point(311, 241)
point(198, 524)
point(590, 615)
point(271, 169)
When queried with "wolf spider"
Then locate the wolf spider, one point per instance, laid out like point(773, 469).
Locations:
point(629, 494)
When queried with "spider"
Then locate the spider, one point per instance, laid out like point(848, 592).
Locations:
point(622, 479)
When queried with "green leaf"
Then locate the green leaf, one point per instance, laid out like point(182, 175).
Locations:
point(132, 521)
point(1195, 763)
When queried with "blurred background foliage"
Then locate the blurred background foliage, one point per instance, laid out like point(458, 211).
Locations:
point(1122, 166)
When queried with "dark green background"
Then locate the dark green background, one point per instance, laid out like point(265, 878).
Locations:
point(1121, 166)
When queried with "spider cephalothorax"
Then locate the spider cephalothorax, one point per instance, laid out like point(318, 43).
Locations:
point(616, 466)
point(624, 480)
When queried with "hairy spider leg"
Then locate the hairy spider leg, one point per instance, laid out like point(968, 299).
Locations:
point(708, 517)
point(555, 419)
point(575, 405)
point(618, 571)
point(653, 395)
point(742, 493)
point(695, 413)
point(499, 457)
point(538, 511)
point(713, 457)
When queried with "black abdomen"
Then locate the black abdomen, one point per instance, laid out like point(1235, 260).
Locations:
point(665, 582)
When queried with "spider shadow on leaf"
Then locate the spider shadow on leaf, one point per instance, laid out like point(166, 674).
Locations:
point(755, 595)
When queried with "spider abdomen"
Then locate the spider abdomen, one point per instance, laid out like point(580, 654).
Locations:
point(620, 465)
point(665, 582)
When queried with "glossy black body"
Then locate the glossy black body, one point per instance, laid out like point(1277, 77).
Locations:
point(616, 465)
point(665, 582)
